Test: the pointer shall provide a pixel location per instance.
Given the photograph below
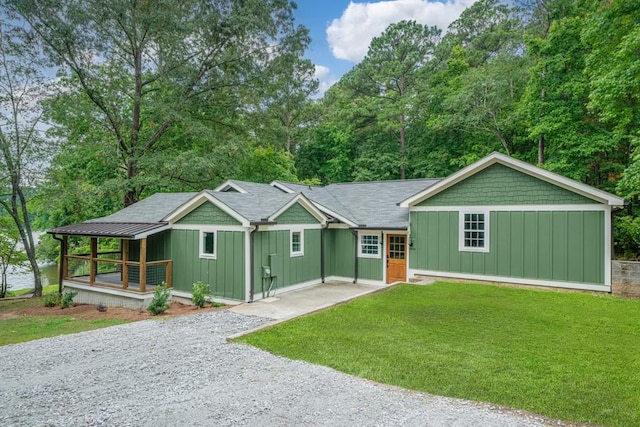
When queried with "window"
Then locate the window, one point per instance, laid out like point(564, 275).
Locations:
point(207, 244)
point(297, 243)
point(369, 246)
point(474, 231)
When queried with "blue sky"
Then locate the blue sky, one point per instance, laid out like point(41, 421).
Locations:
point(341, 30)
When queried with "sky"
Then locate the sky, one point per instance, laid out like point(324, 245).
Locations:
point(341, 30)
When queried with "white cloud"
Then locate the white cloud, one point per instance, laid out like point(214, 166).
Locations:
point(321, 72)
point(350, 35)
point(326, 79)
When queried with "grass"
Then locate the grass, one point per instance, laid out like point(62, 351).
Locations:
point(45, 290)
point(571, 356)
point(26, 328)
point(29, 328)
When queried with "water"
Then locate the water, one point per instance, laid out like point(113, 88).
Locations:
point(20, 279)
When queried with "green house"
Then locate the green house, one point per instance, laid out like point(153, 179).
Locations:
point(498, 219)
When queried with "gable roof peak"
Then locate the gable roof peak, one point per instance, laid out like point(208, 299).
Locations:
point(521, 166)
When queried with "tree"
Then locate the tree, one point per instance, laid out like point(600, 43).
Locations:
point(285, 101)
point(265, 164)
point(571, 139)
point(613, 68)
point(387, 78)
point(23, 151)
point(10, 255)
point(143, 67)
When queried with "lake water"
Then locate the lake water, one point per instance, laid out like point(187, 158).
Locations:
point(23, 278)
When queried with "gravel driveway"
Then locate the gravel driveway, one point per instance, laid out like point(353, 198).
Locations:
point(181, 372)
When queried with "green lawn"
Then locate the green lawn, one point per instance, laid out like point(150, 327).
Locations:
point(571, 356)
point(26, 328)
point(29, 328)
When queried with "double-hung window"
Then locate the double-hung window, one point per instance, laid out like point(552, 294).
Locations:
point(369, 245)
point(207, 244)
point(297, 242)
point(474, 231)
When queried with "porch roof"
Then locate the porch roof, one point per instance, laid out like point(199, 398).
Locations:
point(122, 230)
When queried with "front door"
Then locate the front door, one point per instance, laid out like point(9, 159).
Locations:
point(396, 258)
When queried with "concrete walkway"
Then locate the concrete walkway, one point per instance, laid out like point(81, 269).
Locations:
point(296, 303)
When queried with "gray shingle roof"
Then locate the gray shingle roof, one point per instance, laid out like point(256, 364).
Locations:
point(152, 209)
point(367, 204)
point(255, 187)
point(254, 206)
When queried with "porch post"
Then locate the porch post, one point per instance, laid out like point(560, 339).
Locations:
point(64, 262)
point(168, 272)
point(143, 264)
point(125, 260)
point(92, 263)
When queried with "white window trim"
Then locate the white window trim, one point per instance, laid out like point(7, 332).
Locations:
point(215, 243)
point(487, 220)
point(369, 233)
point(301, 251)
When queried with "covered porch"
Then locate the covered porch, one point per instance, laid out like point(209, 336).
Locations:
point(133, 267)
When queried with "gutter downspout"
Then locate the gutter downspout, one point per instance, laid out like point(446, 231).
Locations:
point(61, 262)
point(322, 249)
point(251, 269)
point(355, 256)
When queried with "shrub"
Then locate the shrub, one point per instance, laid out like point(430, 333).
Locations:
point(160, 302)
point(217, 304)
point(199, 292)
point(66, 299)
point(52, 300)
point(627, 242)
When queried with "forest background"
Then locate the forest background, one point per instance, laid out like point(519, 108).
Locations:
point(153, 96)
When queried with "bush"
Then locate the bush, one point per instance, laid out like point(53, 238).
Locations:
point(66, 299)
point(199, 292)
point(160, 302)
point(217, 304)
point(52, 300)
point(627, 237)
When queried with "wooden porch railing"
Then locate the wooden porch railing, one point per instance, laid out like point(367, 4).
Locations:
point(115, 273)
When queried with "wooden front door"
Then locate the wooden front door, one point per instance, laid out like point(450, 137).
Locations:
point(396, 258)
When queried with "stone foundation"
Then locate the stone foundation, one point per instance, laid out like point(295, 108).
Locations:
point(625, 278)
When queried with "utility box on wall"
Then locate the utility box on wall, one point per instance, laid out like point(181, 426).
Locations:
point(266, 271)
point(274, 263)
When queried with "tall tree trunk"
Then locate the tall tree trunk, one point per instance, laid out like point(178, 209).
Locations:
point(541, 150)
point(131, 195)
point(402, 141)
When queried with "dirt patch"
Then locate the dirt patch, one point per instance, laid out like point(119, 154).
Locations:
point(90, 311)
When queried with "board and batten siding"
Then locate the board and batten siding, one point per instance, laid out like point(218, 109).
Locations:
point(502, 185)
point(225, 274)
point(340, 250)
point(289, 270)
point(561, 246)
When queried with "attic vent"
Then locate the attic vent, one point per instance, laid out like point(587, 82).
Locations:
point(230, 190)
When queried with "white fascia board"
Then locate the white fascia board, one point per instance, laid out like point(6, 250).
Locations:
point(150, 232)
point(511, 208)
point(306, 203)
point(229, 184)
point(281, 186)
point(335, 215)
point(519, 165)
point(198, 200)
